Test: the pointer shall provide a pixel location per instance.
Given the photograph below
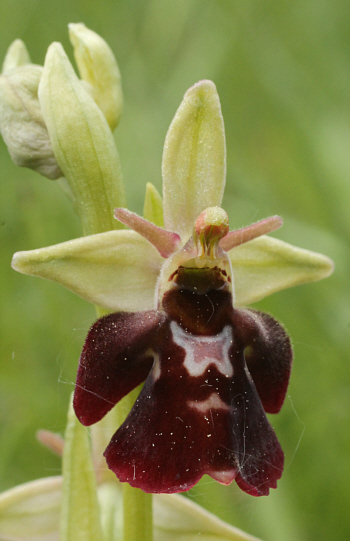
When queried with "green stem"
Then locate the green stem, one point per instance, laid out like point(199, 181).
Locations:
point(137, 514)
point(138, 517)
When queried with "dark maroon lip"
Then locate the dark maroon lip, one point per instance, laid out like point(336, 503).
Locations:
point(210, 371)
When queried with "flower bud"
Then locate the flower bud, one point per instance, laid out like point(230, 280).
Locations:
point(99, 69)
point(17, 55)
point(21, 121)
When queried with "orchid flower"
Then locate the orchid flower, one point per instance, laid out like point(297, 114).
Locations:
point(176, 282)
point(202, 407)
point(212, 370)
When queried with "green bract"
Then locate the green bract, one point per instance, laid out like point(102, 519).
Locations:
point(82, 142)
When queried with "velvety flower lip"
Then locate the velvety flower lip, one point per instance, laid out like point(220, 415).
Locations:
point(211, 372)
point(201, 410)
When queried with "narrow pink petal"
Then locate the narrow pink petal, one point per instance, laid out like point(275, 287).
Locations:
point(236, 238)
point(166, 242)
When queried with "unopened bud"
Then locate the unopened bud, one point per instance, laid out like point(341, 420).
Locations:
point(99, 69)
point(17, 55)
point(21, 121)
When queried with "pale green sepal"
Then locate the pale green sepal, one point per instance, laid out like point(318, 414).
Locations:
point(117, 270)
point(17, 55)
point(194, 159)
point(30, 512)
point(153, 206)
point(21, 121)
point(176, 517)
point(98, 67)
point(266, 265)
point(80, 512)
point(82, 142)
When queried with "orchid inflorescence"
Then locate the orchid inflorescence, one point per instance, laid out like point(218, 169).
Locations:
point(176, 281)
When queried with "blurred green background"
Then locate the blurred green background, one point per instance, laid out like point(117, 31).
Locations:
point(282, 70)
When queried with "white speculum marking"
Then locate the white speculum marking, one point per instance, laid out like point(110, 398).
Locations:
point(213, 402)
point(202, 351)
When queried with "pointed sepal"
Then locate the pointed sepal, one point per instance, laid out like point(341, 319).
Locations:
point(194, 159)
point(117, 270)
point(266, 265)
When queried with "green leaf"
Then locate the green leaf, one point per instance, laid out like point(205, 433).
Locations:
point(80, 512)
point(266, 265)
point(117, 270)
point(194, 159)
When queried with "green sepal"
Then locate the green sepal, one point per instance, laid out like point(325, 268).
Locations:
point(266, 265)
point(117, 270)
point(194, 159)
